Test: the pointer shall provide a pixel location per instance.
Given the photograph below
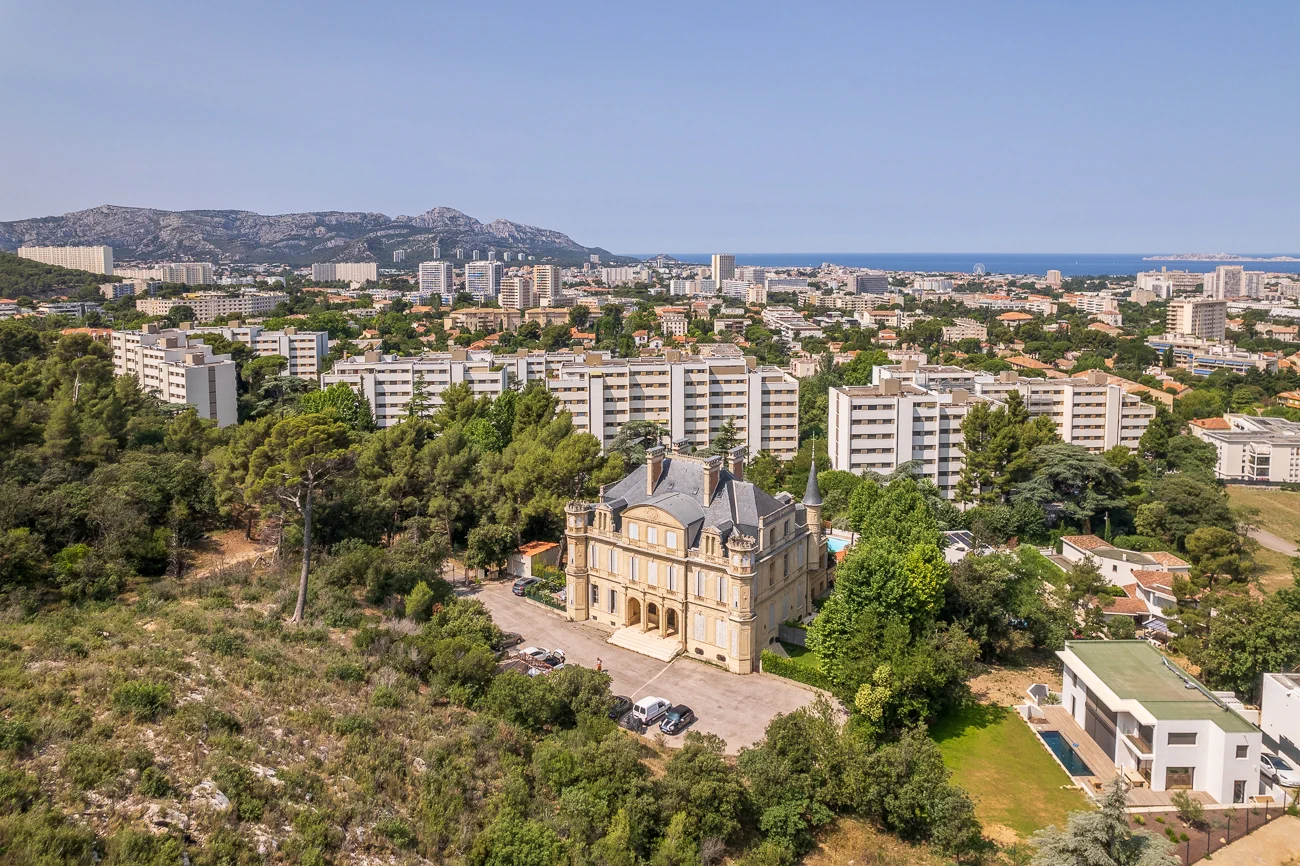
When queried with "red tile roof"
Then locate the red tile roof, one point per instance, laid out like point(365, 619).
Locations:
point(1165, 558)
point(1157, 581)
point(1212, 423)
point(1085, 542)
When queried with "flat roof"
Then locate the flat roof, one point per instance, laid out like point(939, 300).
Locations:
point(1135, 670)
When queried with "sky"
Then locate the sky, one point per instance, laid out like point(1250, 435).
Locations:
point(678, 127)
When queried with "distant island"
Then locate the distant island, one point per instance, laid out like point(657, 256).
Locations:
point(1217, 257)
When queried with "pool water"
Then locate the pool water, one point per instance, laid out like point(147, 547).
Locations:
point(835, 545)
point(1074, 765)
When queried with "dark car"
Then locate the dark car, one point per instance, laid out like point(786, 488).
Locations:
point(509, 639)
point(522, 584)
point(676, 720)
point(621, 706)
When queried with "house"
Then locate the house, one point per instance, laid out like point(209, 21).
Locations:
point(1290, 399)
point(1286, 333)
point(685, 556)
point(531, 557)
point(1015, 318)
point(640, 338)
point(1151, 718)
point(1279, 716)
point(1146, 578)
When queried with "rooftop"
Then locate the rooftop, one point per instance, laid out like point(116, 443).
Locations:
point(1134, 670)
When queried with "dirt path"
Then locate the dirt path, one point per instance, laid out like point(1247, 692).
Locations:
point(224, 549)
point(1274, 542)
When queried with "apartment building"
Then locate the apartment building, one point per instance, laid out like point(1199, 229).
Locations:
point(691, 396)
point(621, 276)
point(1150, 717)
point(1253, 449)
point(488, 319)
point(1165, 283)
point(190, 273)
point(126, 288)
point(868, 283)
point(209, 305)
point(305, 351)
point(683, 556)
point(483, 279)
point(351, 272)
point(517, 293)
point(877, 428)
point(931, 284)
point(1205, 318)
point(1088, 410)
point(965, 329)
point(97, 259)
point(176, 369)
point(1203, 357)
point(548, 281)
point(436, 278)
point(1092, 303)
point(723, 268)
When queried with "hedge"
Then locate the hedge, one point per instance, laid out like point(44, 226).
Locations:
point(792, 670)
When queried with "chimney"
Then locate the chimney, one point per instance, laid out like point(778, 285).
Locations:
point(960, 396)
point(682, 446)
point(736, 462)
point(186, 326)
point(712, 470)
point(889, 387)
point(372, 356)
point(910, 365)
point(234, 323)
point(291, 331)
point(654, 468)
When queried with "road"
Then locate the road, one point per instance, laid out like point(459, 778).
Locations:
point(736, 708)
point(1274, 542)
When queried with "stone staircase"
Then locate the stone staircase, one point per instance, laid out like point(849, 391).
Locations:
point(647, 643)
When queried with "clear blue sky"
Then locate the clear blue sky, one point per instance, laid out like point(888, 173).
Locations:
point(695, 126)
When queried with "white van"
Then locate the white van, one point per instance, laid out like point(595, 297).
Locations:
point(647, 710)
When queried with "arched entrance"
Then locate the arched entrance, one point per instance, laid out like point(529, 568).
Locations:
point(670, 621)
point(652, 615)
point(633, 611)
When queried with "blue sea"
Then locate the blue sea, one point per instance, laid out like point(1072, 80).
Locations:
point(1069, 264)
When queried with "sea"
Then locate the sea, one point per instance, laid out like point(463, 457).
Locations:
point(1018, 264)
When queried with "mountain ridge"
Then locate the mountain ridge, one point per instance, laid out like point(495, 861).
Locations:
point(232, 236)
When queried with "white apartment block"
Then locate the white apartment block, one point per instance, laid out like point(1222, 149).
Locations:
point(735, 289)
point(877, 428)
point(97, 260)
point(305, 351)
point(680, 287)
point(1151, 718)
point(965, 329)
point(673, 324)
point(517, 293)
point(210, 305)
point(931, 284)
point(1087, 410)
point(1165, 283)
point(723, 268)
point(786, 284)
point(1225, 281)
point(1253, 449)
point(351, 272)
point(691, 396)
point(623, 276)
point(174, 369)
point(751, 274)
point(436, 278)
point(1197, 317)
point(483, 279)
point(127, 288)
point(1092, 303)
point(190, 273)
point(548, 282)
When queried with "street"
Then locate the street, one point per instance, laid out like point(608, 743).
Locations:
point(736, 708)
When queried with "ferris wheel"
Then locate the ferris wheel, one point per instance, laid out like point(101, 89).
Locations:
point(979, 270)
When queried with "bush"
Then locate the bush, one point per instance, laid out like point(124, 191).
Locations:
point(396, 831)
point(792, 670)
point(540, 592)
point(353, 724)
point(346, 672)
point(1139, 542)
point(154, 783)
point(419, 603)
point(18, 790)
point(221, 642)
point(15, 735)
point(90, 766)
point(142, 700)
point(386, 697)
point(247, 793)
point(1189, 808)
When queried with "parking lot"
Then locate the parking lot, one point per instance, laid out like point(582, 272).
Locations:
point(736, 708)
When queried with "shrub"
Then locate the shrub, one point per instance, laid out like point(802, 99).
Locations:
point(136, 848)
point(792, 670)
point(231, 644)
point(18, 790)
point(386, 696)
point(396, 831)
point(142, 700)
point(247, 793)
point(15, 735)
point(1189, 808)
point(353, 724)
point(137, 758)
point(419, 603)
point(346, 672)
point(90, 766)
point(154, 783)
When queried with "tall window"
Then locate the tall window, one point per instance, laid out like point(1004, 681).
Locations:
point(613, 561)
point(722, 588)
point(785, 564)
point(595, 595)
point(652, 573)
point(670, 538)
point(613, 600)
point(720, 633)
point(672, 578)
point(699, 583)
point(652, 535)
point(633, 532)
point(632, 565)
point(699, 626)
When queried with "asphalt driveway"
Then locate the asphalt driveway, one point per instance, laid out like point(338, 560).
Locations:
point(736, 708)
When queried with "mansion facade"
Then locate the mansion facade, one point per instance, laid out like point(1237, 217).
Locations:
point(687, 549)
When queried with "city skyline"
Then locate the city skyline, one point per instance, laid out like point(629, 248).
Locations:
point(929, 128)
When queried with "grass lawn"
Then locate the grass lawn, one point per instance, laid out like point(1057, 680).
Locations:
point(1279, 510)
point(1012, 778)
point(802, 655)
point(1273, 569)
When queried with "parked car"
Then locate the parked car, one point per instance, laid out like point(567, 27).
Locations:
point(509, 639)
point(555, 659)
point(1275, 767)
point(677, 719)
point(541, 654)
point(647, 710)
point(522, 584)
point(621, 706)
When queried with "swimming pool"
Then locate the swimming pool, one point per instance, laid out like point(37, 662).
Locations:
point(1074, 765)
point(835, 545)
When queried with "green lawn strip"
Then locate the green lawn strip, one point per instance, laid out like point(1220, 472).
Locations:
point(802, 656)
point(998, 759)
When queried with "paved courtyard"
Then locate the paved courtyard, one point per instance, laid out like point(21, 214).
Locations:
point(736, 708)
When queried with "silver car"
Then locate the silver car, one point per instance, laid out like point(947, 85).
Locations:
point(1282, 773)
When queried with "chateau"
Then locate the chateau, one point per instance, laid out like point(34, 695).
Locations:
point(684, 556)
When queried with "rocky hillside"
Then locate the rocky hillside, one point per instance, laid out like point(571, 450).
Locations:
point(299, 238)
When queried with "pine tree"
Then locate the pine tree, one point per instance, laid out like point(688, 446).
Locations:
point(1102, 838)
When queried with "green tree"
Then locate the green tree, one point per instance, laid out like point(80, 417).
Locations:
point(300, 460)
point(725, 439)
point(490, 546)
point(1102, 837)
point(340, 403)
point(1077, 482)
